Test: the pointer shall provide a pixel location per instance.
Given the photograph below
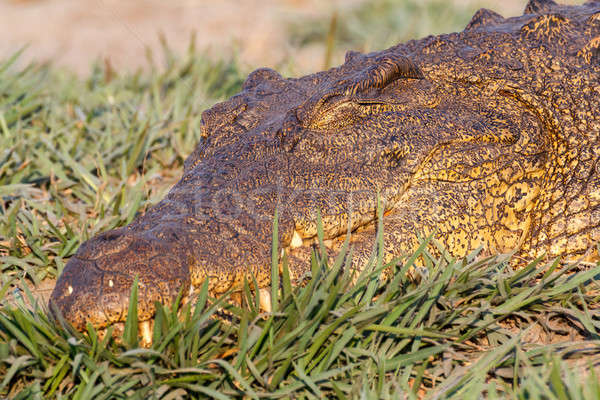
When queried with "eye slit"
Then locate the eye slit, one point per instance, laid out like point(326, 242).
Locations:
point(348, 113)
point(339, 116)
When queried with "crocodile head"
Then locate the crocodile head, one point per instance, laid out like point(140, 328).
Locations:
point(284, 144)
point(435, 128)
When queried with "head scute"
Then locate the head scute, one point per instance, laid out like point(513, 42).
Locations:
point(590, 53)
point(552, 29)
point(540, 6)
point(352, 56)
point(259, 76)
point(483, 18)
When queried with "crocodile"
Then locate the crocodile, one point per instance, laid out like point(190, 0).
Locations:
point(486, 139)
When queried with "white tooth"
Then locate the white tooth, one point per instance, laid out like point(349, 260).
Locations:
point(264, 296)
point(110, 283)
point(187, 298)
point(296, 240)
point(70, 289)
point(144, 328)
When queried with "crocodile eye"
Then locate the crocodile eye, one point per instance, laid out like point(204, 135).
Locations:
point(347, 113)
point(349, 101)
point(338, 116)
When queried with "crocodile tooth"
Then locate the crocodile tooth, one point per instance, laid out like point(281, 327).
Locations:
point(188, 298)
point(265, 299)
point(144, 329)
point(296, 240)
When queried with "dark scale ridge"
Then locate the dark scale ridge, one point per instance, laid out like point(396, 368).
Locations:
point(489, 137)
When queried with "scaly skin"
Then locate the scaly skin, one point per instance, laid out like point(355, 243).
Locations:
point(489, 137)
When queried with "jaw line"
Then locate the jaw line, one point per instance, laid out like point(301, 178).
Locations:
point(145, 327)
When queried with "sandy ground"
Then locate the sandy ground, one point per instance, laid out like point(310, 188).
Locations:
point(76, 32)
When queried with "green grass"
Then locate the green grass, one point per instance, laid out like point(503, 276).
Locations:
point(449, 334)
point(80, 156)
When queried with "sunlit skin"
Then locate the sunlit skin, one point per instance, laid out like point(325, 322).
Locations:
point(486, 138)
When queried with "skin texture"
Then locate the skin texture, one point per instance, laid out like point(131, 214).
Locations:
point(488, 137)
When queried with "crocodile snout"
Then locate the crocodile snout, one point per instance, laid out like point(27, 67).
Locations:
point(95, 285)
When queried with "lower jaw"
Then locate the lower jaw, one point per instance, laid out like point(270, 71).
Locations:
point(145, 328)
